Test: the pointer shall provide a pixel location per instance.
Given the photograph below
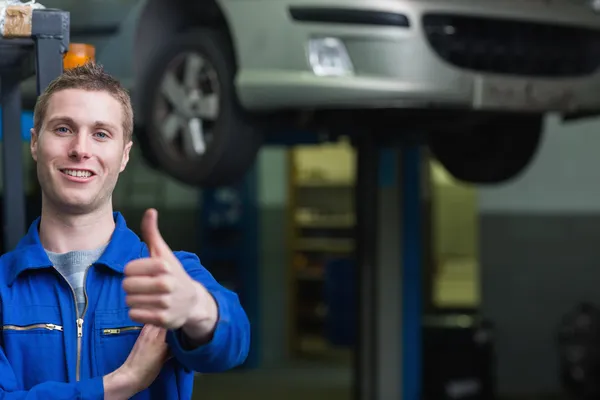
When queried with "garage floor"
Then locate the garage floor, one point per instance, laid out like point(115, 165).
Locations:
point(294, 383)
point(323, 383)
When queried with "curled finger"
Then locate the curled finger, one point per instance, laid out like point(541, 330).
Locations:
point(147, 301)
point(145, 285)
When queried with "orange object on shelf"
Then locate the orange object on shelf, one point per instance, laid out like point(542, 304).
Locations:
point(79, 54)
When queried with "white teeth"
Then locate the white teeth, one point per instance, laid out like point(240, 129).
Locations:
point(76, 173)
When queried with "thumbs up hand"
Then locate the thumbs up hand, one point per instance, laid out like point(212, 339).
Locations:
point(158, 289)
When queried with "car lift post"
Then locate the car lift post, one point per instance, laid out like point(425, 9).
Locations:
point(380, 375)
point(46, 39)
point(410, 184)
point(229, 223)
point(366, 202)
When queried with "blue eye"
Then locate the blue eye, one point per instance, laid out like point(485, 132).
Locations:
point(102, 135)
point(62, 129)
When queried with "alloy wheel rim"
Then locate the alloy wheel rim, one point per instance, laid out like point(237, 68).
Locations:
point(187, 106)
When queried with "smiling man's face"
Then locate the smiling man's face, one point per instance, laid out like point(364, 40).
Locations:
point(80, 150)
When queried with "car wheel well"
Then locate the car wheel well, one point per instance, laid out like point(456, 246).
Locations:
point(160, 20)
point(206, 14)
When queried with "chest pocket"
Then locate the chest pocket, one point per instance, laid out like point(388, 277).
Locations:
point(34, 343)
point(114, 336)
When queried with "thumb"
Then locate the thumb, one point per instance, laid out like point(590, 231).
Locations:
point(151, 235)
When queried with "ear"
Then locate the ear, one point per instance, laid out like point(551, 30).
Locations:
point(33, 144)
point(125, 158)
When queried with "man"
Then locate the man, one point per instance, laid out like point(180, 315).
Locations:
point(88, 310)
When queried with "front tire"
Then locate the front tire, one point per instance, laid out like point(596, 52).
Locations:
point(491, 152)
point(193, 125)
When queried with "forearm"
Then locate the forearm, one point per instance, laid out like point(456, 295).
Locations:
point(201, 325)
point(228, 344)
point(217, 324)
point(118, 387)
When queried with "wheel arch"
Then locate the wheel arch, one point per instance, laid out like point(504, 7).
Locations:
point(159, 20)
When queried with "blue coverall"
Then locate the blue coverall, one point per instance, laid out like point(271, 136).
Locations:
point(48, 353)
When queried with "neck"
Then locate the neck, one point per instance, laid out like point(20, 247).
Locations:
point(62, 232)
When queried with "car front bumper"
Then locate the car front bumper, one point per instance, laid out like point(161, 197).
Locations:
point(476, 65)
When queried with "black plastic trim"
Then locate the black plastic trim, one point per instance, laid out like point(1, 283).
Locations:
point(330, 15)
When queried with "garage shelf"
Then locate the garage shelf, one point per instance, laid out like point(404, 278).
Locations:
point(33, 41)
point(322, 223)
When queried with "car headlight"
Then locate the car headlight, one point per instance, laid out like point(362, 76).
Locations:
point(328, 57)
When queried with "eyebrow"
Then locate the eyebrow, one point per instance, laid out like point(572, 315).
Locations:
point(71, 121)
point(61, 120)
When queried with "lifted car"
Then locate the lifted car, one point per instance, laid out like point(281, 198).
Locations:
point(474, 77)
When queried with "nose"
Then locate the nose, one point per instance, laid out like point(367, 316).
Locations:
point(80, 147)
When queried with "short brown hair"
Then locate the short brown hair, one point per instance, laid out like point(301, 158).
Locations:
point(92, 77)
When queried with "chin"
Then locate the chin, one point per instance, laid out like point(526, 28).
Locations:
point(77, 204)
point(77, 198)
point(77, 207)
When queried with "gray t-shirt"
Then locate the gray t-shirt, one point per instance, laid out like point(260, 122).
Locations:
point(72, 266)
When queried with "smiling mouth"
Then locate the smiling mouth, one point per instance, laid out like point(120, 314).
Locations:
point(77, 173)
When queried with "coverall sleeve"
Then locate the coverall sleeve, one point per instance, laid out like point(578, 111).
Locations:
point(231, 340)
point(88, 389)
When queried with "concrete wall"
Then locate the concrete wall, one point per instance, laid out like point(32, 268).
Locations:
point(539, 249)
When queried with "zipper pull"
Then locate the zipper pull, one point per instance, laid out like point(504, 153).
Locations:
point(79, 327)
point(54, 327)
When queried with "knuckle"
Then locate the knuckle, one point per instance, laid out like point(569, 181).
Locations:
point(163, 266)
point(131, 267)
point(162, 318)
point(164, 301)
point(127, 269)
point(166, 285)
point(133, 317)
point(126, 284)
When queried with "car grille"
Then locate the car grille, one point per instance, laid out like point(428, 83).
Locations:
point(513, 47)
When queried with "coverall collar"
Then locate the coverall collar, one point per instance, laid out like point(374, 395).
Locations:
point(29, 254)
